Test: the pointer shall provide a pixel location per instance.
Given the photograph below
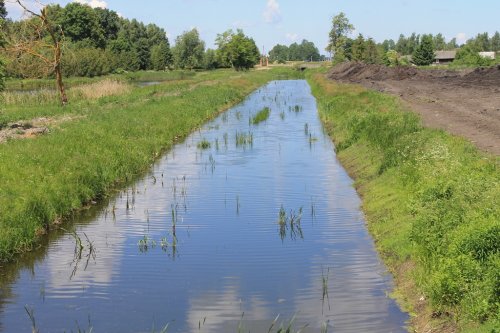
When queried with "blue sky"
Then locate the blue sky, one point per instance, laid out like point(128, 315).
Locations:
point(284, 21)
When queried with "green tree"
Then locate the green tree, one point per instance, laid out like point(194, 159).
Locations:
point(391, 58)
point(424, 54)
point(414, 42)
point(468, 55)
point(143, 52)
point(155, 35)
point(3, 10)
point(279, 54)
point(189, 50)
point(294, 53)
point(210, 61)
point(222, 40)
point(134, 30)
point(402, 45)
point(348, 48)
point(495, 42)
point(87, 62)
point(388, 45)
point(358, 48)
point(161, 57)
point(243, 53)
point(371, 55)
point(309, 51)
point(439, 42)
point(341, 28)
point(482, 42)
point(452, 44)
point(80, 22)
point(109, 22)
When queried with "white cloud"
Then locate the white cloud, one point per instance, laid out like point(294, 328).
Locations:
point(461, 38)
point(93, 3)
point(292, 37)
point(272, 13)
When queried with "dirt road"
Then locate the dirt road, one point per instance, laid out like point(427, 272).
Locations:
point(465, 103)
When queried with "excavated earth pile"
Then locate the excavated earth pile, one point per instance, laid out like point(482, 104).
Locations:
point(463, 102)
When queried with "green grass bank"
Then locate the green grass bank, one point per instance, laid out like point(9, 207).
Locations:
point(102, 142)
point(432, 204)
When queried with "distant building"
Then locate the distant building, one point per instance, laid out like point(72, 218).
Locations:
point(445, 57)
point(487, 55)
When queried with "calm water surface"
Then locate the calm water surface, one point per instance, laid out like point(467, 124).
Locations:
point(196, 243)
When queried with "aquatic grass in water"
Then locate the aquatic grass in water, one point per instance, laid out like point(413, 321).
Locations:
point(290, 222)
point(286, 326)
point(324, 284)
point(31, 315)
point(243, 139)
point(146, 243)
point(34, 329)
point(203, 144)
point(211, 160)
point(261, 116)
point(78, 251)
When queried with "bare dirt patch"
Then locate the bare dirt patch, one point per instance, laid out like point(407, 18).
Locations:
point(465, 102)
point(31, 128)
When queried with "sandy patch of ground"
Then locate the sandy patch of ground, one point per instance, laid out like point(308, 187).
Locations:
point(32, 128)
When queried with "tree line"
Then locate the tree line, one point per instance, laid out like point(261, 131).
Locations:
point(417, 49)
point(97, 41)
point(305, 51)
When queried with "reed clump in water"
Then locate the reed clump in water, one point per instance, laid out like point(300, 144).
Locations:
point(204, 144)
point(244, 139)
point(290, 222)
point(261, 116)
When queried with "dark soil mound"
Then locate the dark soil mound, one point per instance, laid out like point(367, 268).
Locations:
point(484, 76)
point(358, 72)
point(463, 102)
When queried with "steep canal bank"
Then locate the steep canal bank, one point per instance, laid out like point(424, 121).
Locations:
point(431, 201)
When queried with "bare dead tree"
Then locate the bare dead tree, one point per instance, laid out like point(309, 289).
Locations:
point(34, 43)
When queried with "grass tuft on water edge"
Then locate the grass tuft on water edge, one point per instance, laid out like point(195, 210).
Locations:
point(203, 144)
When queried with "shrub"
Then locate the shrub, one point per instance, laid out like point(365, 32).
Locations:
point(469, 56)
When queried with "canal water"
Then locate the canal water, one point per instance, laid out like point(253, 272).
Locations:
point(261, 228)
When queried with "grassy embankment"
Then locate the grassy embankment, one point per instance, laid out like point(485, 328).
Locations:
point(105, 140)
point(431, 202)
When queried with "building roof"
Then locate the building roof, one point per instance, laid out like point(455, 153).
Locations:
point(440, 55)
